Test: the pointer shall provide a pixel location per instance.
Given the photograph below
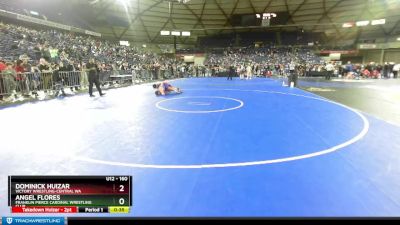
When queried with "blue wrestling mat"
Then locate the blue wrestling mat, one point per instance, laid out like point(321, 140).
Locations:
point(245, 148)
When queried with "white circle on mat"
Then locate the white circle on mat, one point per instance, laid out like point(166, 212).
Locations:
point(240, 105)
point(352, 140)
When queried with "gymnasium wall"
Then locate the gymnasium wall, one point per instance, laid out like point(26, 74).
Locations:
point(371, 56)
point(388, 55)
point(380, 52)
point(392, 55)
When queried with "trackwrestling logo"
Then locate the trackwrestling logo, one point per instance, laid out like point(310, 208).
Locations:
point(33, 220)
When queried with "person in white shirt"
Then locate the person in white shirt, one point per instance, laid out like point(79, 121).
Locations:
point(292, 74)
point(249, 71)
point(329, 70)
point(396, 69)
point(239, 70)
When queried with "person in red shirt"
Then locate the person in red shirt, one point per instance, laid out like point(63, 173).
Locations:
point(21, 77)
point(366, 73)
point(3, 65)
point(375, 74)
point(269, 73)
point(19, 68)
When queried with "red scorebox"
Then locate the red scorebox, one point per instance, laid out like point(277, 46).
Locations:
point(44, 209)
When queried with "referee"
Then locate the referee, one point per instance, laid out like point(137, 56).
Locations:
point(231, 72)
point(329, 71)
point(292, 74)
point(93, 77)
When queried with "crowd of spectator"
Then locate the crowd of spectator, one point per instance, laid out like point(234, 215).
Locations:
point(27, 50)
point(271, 60)
point(268, 60)
point(54, 46)
point(370, 70)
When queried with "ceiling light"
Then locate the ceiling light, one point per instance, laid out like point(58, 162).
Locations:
point(362, 23)
point(378, 22)
point(34, 13)
point(347, 25)
point(165, 33)
point(186, 33)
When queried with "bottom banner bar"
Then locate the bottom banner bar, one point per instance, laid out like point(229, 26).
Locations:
point(44, 209)
point(33, 220)
point(218, 221)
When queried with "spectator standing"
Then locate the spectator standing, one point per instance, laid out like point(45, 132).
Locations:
point(21, 78)
point(84, 77)
point(3, 66)
point(249, 72)
point(162, 71)
point(46, 54)
point(349, 67)
point(396, 69)
point(231, 72)
point(93, 71)
point(58, 81)
point(38, 51)
point(9, 76)
point(292, 70)
point(391, 66)
point(45, 69)
point(385, 70)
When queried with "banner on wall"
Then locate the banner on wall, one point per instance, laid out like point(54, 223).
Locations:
point(334, 56)
point(188, 58)
point(43, 22)
point(342, 52)
point(368, 46)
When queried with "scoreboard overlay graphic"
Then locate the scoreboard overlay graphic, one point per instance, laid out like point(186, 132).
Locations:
point(70, 194)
